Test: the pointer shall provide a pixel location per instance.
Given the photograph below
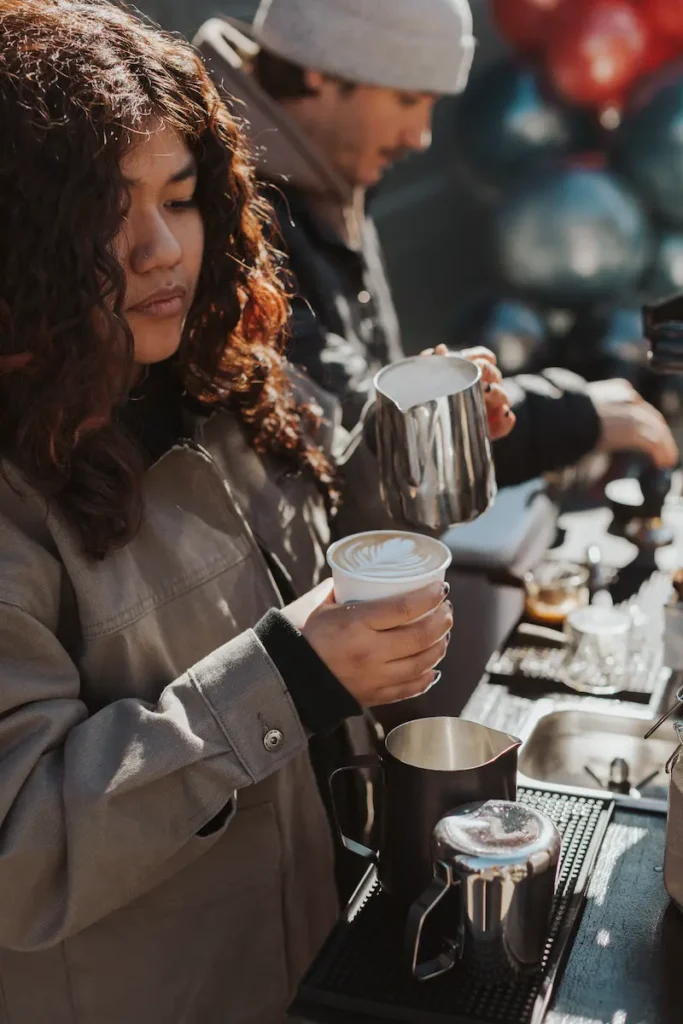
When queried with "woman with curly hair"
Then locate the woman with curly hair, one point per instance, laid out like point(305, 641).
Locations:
point(167, 647)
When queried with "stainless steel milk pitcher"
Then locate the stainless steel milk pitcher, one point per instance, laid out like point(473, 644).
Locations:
point(430, 766)
point(500, 861)
point(435, 462)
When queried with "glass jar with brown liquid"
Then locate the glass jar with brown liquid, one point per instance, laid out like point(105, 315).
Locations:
point(553, 590)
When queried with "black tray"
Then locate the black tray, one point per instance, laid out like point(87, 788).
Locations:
point(510, 668)
point(530, 664)
point(359, 976)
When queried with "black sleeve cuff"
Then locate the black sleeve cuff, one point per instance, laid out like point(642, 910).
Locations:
point(321, 701)
point(555, 429)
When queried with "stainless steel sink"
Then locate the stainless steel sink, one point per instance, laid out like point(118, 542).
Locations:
point(578, 749)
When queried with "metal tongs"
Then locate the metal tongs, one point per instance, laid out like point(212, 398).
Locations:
point(678, 727)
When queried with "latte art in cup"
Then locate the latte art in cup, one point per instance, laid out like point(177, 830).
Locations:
point(383, 563)
point(388, 558)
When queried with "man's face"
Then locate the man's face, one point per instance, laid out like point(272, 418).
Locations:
point(363, 130)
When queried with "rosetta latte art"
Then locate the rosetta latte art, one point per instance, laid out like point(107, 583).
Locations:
point(391, 558)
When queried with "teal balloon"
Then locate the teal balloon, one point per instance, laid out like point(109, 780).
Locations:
point(572, 236)
point(506, 124)
point(513, 330)
point(649, 150)
point(605, 342)
point(665, 276)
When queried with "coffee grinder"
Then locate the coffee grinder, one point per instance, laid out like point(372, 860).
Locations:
point(663, 329)
point(637, 503)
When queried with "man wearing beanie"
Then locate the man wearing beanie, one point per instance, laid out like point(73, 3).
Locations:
point(334, 91)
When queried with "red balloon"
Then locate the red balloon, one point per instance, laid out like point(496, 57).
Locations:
point(666, 16)
point(661, 51)
point(597, 50)
point(526, 23)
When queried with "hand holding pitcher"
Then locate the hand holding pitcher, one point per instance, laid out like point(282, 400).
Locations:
point(500, 416)
point(435, 462)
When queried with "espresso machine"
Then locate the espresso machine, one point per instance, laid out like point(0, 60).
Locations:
point(663, 328)
point(637, 503)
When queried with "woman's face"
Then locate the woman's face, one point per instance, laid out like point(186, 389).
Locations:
point(161, 243)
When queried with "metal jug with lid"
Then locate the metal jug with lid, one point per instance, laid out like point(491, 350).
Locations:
point(500, 859)
point(430, 766)
point(673, 857)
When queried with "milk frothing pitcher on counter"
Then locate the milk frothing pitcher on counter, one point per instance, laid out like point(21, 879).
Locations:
point(499, 860)
point(428, 767)
point(435, 463)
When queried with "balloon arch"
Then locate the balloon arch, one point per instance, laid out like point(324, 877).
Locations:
point(575, 139)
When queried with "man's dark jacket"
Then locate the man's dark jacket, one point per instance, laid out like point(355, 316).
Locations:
point(344, 325)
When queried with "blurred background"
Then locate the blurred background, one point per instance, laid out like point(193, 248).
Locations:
point(550, 206)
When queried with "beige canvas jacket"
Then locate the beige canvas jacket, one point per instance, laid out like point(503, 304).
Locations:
point(134, 703)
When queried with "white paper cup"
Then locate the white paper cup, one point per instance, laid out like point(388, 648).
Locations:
point(352, 585)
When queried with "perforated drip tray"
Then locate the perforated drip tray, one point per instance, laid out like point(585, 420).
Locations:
point(360, 977)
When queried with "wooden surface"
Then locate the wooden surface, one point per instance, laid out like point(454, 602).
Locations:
point(626, 965)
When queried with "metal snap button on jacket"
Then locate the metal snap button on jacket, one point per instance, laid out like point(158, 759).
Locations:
point(273, 739)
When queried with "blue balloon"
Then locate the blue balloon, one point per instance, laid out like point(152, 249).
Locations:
point(505, 124)
point(665, 276)
point(514, 331)
point(623, 344)
point(649, 150)
point(605, 341)
point(572, 236)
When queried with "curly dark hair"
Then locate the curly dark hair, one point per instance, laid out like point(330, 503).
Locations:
point(78, 80)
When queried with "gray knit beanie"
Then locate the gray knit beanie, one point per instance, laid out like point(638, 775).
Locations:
point(412, 45)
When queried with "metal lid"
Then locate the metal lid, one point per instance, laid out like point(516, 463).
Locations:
point(496, 834)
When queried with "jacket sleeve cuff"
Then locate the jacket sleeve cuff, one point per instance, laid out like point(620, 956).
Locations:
point(251, 705)
point(557, 425)
point(320, 700)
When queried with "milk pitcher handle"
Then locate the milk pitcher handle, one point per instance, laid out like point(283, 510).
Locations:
point(417, 915)
point(356, 764)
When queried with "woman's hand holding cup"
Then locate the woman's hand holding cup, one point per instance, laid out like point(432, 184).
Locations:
point(381, 651)
point(382, 623)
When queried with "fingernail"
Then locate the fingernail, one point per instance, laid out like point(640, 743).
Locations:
point(448, 636)
point(489, 387)
point(437, 678)
point(445, 590)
